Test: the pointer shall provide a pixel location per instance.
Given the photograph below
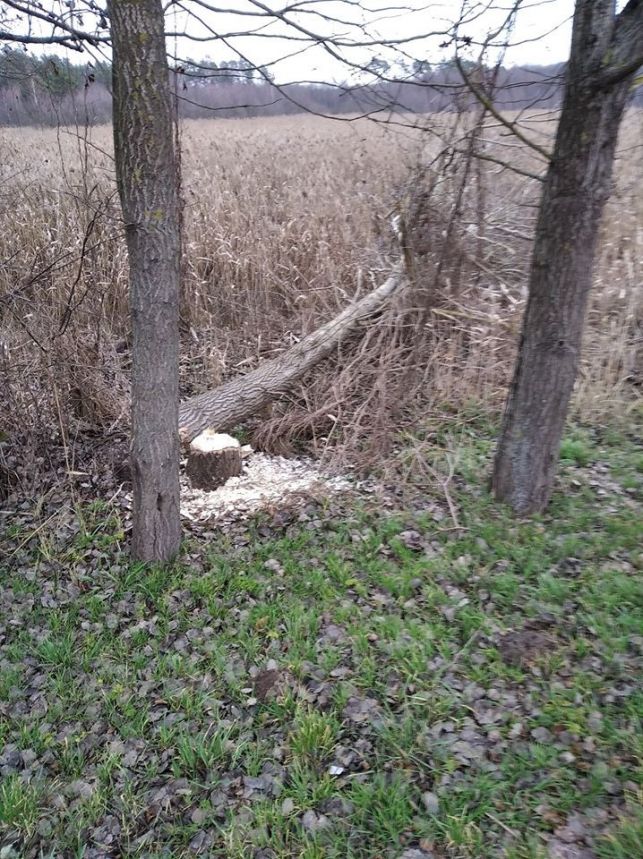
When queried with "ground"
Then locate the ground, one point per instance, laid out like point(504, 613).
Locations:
point(363, 677)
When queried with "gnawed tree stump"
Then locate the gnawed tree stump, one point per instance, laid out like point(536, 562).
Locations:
point(212, 459)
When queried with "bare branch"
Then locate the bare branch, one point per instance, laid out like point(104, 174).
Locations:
point(22, 39)
point(505, 165)
point(58, 21)
point(510, 126)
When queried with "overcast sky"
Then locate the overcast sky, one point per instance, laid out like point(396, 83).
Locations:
point(540, 34)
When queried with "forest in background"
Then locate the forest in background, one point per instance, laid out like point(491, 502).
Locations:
point(50, 89)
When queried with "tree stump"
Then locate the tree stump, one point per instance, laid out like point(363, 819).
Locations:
point(212, 459)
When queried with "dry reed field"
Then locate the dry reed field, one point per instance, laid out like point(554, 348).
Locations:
point(286, 220)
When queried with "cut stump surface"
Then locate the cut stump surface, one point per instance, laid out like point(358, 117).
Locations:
point(212, 459)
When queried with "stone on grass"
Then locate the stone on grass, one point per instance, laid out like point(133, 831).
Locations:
point(313, 822)
point(431, 802)
point(287, 806)
point(81, 788)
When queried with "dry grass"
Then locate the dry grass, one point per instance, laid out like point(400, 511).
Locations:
point(286, 220)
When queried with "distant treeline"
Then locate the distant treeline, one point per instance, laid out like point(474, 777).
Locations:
point(50, 90)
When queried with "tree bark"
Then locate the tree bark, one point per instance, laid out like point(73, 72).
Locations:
point(147, 174)
point(228, 405)
point(577, 185)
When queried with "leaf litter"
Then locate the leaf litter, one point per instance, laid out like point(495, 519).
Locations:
point(383, 647)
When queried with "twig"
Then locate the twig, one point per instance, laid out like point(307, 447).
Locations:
point(444, 485)
point(502, 825)
point(485, 101)
point(32, 534)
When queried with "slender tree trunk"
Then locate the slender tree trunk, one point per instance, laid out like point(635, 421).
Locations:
point(147, 174)
point(576, 188)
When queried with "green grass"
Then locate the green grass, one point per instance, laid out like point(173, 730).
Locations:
point(576, 449)
point(139, 682)
point(313, 735)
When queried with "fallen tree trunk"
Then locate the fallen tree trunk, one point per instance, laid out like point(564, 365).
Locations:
point(233, 402)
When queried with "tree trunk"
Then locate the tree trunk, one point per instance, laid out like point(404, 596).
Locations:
point(228, 405)
point(576, 188)
point(147, 173)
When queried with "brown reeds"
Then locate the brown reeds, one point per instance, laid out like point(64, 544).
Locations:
point(287, 219)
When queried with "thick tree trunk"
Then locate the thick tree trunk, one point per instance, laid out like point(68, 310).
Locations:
point(228, 405)
point(147, 174)
point(575, 191)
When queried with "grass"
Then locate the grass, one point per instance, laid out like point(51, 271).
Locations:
point(18, 804)
point(132, 709)
point(626, 839)
point(313, 736)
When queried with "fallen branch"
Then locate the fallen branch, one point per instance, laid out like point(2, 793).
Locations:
point(233, 402)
